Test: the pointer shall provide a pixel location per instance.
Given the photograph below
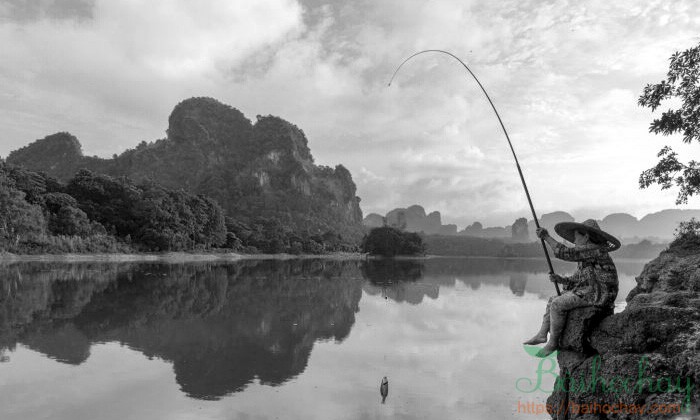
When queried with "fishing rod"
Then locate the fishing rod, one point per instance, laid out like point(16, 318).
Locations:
point(517, 164)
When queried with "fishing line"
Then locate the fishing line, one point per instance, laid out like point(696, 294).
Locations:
point(517, 164)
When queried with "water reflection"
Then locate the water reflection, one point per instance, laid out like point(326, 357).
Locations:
point(398, 280)
point(221, 326)
point(225, 326)
point(412, 280)
point(517, 283)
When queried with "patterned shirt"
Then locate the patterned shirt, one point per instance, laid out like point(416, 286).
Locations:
point(596, 278)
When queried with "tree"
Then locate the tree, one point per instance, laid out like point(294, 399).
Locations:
point(65, 218)
point(214, 230)
point(683, 83)
point(17, 217)
point(109, 201)
point(389, 241)
point(384, 241)
point(687, 235)
point(70, 221)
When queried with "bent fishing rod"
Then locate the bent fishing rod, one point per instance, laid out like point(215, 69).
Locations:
point(517, 164)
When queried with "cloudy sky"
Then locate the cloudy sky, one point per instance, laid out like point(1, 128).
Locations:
point(565, 76)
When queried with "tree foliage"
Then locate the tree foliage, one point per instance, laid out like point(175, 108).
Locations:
point(682, 83)
point(158, 218)
point(71, 221)
point(687, 235)
point(388, 242)
point(18, 218)
point(101, 213)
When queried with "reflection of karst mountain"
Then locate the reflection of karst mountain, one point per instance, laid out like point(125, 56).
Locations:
point(35, 302)
point(388, 270)
point(517, 284)
point(412, 280)
point(397, 280)
point(221, 326)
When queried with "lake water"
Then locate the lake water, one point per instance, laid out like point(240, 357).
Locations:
point(270, 339)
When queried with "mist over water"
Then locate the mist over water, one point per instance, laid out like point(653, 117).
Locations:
point(265, 339)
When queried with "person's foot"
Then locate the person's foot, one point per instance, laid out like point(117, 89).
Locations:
point(548, 349)
point(538, 339)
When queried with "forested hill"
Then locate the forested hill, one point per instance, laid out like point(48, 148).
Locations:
point(253, 170)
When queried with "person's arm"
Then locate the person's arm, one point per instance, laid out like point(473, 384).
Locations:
point(566, 253)
point(553, 243)
point(542, 233)
point(566, 281)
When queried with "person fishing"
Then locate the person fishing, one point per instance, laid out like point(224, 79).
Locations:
point(594, 283)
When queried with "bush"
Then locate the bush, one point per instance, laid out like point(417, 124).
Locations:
point(687, 235)
point(388, 242)
point(70, 221)
point(49, 244)
point(232, 241)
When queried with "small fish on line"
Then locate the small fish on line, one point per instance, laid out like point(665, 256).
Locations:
point(384, 388)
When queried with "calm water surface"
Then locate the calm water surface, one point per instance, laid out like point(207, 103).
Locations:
point(302, 339)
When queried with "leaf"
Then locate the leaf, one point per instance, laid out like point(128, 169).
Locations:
point(681, 84)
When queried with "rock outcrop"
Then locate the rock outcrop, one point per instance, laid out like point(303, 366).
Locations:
point(412, 219)
point(261, 169)
point(373, 220)
point(647, 356)
point(519, 230)
point(477, 230)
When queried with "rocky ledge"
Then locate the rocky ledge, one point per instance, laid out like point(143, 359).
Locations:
point(641, 363)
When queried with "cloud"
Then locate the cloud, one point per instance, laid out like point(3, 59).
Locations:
point(564, 76)
point(112, 80)
point(27, 11)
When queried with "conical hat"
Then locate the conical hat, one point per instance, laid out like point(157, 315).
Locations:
point(566, 230)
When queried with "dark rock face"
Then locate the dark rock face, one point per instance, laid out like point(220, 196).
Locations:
point(255, 170)
point(654, 344)
point(579, 325)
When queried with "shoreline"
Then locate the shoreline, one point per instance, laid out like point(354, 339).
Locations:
point(167, 257)
point(185, 257)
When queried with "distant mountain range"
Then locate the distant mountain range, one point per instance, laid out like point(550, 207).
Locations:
point(253, 170)
point(411, 219)
point(658, 227)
